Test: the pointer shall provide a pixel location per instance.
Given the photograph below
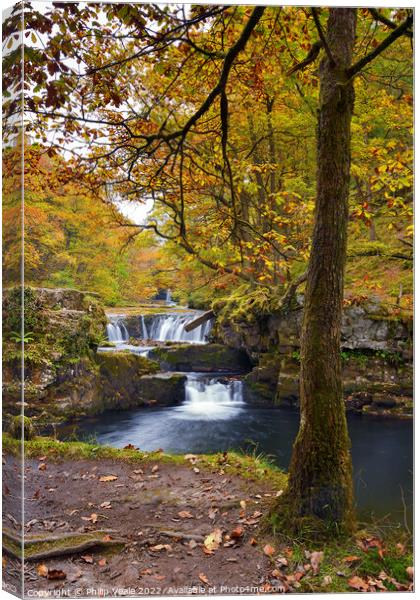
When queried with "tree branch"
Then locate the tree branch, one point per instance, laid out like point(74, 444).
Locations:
point(311, 56)
point(314, 12)
point(379, 17)
point(398, 32)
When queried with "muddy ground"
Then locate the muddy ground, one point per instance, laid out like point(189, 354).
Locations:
point(163, 513)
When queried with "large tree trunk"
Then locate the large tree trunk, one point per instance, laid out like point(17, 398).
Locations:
point(320, 480)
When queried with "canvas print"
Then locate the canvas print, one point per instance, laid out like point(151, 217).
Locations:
point(207, 299)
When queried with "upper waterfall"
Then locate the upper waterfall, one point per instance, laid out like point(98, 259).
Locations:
point(116, 330)
point(172, 328)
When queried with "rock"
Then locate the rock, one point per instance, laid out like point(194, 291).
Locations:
point(65, 328)
point(210, 358)
point(162, 389)
point(365, 327)
point(121, 379)
point(19, 423)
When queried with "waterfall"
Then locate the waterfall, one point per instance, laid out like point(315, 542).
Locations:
point(116, 330)
point(144, 333)
point(212, 398)
point(171, 328)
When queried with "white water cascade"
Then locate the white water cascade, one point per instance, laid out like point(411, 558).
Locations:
point(116, 330)
point(210, 398)
point(144, 332)
point(171, 328)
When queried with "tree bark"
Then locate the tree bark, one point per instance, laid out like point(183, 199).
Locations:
point(320, 476)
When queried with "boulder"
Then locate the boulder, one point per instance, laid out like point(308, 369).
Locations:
point(208, 358)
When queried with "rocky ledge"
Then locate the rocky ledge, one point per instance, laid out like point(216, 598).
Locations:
point(66, 377)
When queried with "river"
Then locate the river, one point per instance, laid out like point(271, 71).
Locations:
point(215, 418)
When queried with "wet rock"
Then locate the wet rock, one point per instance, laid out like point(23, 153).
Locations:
point(209, 358)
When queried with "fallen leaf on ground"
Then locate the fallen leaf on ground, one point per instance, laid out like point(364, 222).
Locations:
point(196, 470)
point(191, 457)
point(268, 550)
point(93, 518)
point(316, 559)
point(203, 578)
point(237, 533)
point(42, 467)
point(243, 504)
point(351, 559)
point(88, 558)
point(327, 580)
point(358, 583)
point(410, 572)
point(192, 544)
point(160, 547)
point(56, 574)
point(42, 570)
point(212, 513)
point(253, 542)
point(155, 468)
point(107, 538)
point(106, 504)
point(108, 478)
point(282, 561)
point(213, 540)
point(102, 562)
point(184, 514)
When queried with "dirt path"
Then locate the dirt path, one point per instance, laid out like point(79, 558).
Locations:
point(164, 513)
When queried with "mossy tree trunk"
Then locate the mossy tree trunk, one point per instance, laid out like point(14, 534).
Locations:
point(320, 479)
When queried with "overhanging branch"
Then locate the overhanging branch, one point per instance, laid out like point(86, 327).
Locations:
point(398, 32)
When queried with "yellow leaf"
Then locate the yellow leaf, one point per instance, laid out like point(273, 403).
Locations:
point(213, 540)
point(42, 570)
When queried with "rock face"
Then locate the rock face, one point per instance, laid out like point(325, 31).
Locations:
point(376, 350)
point(129, 381)
point(64, 375)
point(211, 358)
point(365, 327)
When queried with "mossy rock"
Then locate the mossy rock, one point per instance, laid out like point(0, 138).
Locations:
point(122, 364)
point(21, 423)
point(207, 358)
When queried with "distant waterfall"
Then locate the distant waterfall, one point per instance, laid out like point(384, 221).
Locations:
point(117, 331)
point(171, 328)
point(211, 398)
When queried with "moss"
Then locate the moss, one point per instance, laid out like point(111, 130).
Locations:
point(12, 321)
point(255, 467)
point(245, 305)
point(21, 423)
point(65, 545)
point(118, 364)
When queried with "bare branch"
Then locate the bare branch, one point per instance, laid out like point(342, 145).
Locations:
point(398, 32)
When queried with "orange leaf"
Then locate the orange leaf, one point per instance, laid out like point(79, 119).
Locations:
point(42, 570)
point(203, 578)
point(358, 584)
point(184, 514)
point(88, 558)
point(237, 533)
point(269, 550)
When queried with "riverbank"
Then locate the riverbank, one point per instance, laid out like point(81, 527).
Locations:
point(175, 523)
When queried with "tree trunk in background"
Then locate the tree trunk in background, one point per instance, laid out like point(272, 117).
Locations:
point(320, 480)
